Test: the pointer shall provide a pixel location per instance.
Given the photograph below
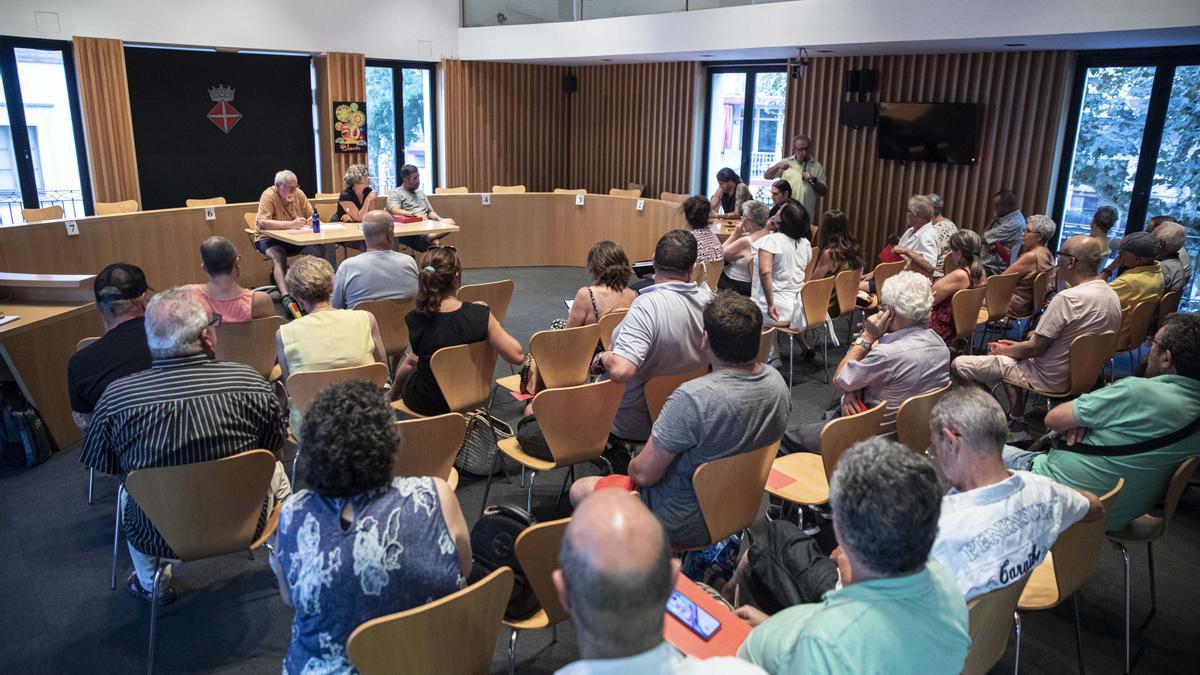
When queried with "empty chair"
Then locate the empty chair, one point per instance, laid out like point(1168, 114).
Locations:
point(618, 192)
point(563, 357)
point(729, 490)
point(326, 195)
point(450, 190)
point(205, 201)
point(508, 189)
point(991, 619)
point(114, 208)
point(805, 476)
point(566, 191)
point(537, 552)
point(430, 444)
point(608, 323)
point(658, 389)
point(676, 197)
point(54, 212)
point(495, 294)
point(912, 419)
point(326, 210)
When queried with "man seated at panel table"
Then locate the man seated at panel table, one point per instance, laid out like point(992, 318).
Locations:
point(222, 294)
point(660, 335)
point(408, 199)
point(1141, 278)
point(121, 295)
point(897, 612)
point(895, 357)
point(1140, 428)
point(142, 421)
point(615, 575)
point(740, 406)
point(283, 206)
point(379, 273)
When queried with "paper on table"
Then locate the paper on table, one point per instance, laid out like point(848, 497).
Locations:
point(569, 304)
point(7, 318)
point(332, 226)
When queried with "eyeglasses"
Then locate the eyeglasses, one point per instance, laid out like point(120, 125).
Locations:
point(214, 322)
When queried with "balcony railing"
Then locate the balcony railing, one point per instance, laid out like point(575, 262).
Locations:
point(11, 204)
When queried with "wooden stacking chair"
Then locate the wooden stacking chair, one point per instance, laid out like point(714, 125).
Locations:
point(912, 419)
point(814, 295)
point(251, 343)
point(1168, 306)
point(429, 445)
point(495, 294)
point(1135, 322)
point(965, 305)
point(608, 323)
point(85, 342)
point(675, 197)
point(508, 189)
point(618, 192)
point(1041, 284)
point(1087, 357)
point(658, 389)
point(464, 375)
point(450, 190)
point(730, 489)
point(712, 273)
point(991, 619)
point(570, 191)
point(302, 388)
point(845, 286)
point(393, 328)
point(537, 552)
point(885, 271)
point(563, 357)
point(810, 473)
point(327, 195)
point(54, 212)
point(764, 344)
point(454, 634)
point(205, 201)
point(114, 208)
point(1000, 289)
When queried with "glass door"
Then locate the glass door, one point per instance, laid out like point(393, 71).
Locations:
point(745, 138)
point(401, 125)
point(1175, 187)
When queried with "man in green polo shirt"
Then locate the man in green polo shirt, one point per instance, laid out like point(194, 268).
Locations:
point(895, 612)
point(805, 174)
point(1135, 410)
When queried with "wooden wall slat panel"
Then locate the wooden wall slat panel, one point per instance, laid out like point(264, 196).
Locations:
point(107, 118)
point(341, 76)
point(1021, 95)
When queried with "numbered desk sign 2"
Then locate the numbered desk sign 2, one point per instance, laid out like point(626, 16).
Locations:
point(487, 199)
point(641, 205)
point(578, 200)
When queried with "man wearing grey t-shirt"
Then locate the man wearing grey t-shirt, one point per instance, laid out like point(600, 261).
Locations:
point(379, 273)
point(408, 199)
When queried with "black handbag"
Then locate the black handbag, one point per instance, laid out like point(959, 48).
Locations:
point(493, 545)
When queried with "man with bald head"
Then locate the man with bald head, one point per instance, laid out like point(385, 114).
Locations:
point(379, 273)
point(1087, 306)
point(615, 575)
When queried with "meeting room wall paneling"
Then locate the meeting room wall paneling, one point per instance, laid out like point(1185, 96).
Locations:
point(506, 124)
point(632, 123)
point(1021, 95)
point(190, 145)
point(107, 119)
point(340, 77)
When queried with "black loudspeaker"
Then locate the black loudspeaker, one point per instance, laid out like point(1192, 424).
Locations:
point(853, 78)
point(866, 80)
point(570, 84)
point(858, 114)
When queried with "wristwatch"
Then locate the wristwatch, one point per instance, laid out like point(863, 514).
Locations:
point(862, 342)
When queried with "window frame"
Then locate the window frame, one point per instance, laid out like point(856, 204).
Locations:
point(751, 69)
point(430, 178)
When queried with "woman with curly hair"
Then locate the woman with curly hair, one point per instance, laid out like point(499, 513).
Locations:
point(356, 199)
point(696, 215)
point(359, 543)
point(609, 290)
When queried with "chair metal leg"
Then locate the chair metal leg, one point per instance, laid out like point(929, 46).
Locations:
point(153, 614)
point(1153, 593)
point(116, 537)
point(825, 353)
point(512, 652)
point(91, 481)
point(791, 365)
point(1078, 634)
point(1017, 650)
point(567, 479)
point(295, 461)
point(529, 492)
point(1125, 557)
point(554, 634)
point(488, 487)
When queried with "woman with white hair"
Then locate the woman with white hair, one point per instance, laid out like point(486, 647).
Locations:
point(945, 229)
point(1035, 257)
point(739, 247)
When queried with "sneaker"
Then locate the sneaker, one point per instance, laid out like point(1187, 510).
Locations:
point(809, 521)
point(135, 589)
point(291, 307)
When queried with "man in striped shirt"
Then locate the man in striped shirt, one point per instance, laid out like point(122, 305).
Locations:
point(187, 408)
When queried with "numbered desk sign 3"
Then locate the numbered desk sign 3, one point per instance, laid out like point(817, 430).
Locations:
point(487, 199)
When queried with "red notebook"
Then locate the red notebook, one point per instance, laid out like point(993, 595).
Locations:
point(407, 219)
point(725, 642)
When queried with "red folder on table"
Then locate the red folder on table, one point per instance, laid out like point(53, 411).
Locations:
point(725, 642)
point(407, 219)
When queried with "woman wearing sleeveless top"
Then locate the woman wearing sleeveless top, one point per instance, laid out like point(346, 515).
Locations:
point(1034, 258)
point(779, 264)
point(359, 543)
point(739, 248)
point(963, 270)
point(836, 251)
point(324, 338)
point(350, 206)
point(610, 270)
point(222, 294)
point(708, 247)
point(730, 195)
point(440, 320)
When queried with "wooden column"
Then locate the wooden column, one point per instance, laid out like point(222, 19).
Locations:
point(340, 77)
point(107, 119)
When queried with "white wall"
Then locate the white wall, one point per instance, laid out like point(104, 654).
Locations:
point(417, 30)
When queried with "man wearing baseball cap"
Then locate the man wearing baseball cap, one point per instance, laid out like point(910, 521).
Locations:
point(121, 295)
point(1142, 278)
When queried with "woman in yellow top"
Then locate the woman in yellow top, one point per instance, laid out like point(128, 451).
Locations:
point(324, 338)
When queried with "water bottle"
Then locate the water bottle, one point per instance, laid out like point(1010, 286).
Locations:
point(316, 222)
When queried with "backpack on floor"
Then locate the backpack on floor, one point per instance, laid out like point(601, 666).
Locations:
point(493, 545)
point(24, 439)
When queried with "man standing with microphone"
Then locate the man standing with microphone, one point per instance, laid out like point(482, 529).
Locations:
point(805, 174)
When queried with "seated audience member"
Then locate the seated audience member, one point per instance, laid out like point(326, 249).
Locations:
point(1173, 260)
point(1136, 414)
point(324, 338)
point(354, 202)
point(283, 206)
point(222, 294)
point(360, 543)
point(408, 199)
point(1035, 258)
point(660, 335)
point(440, 320)
point(730, 195)
point(1002, 238)
point(835, 251)
point(142, 422)
point(945, 228)
point(888, 253)
point(738, 249)
point(919, 243)
point(615, 575)
point(895, 357)
point(739, 407)
point(781, 194)
point(121, 295)
point(1102, 221)
point(708, 246)
point(779, 264)
point(897, 611)
point(1143, 278)
point(379, 273)
point(609, 290)
point(1043, 361)
point(963, 270)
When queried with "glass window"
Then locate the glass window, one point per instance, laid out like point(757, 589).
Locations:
point(600, 9)
point(505, 12)
point(747, 139)
point(1175, 190)
point(401, 128)
point(51, 130)
point(381, 128)
point(727, 97)
point(770, 99)
point(417, 125)
point(10, 182)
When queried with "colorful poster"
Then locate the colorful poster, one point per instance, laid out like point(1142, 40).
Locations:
point(349, 126)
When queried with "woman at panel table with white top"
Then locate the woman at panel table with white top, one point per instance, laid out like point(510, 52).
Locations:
point(739, 248)
point(779, 264)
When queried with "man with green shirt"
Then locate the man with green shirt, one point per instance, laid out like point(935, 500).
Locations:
point(895, 612)
point(805, 174)
point(1135, 410)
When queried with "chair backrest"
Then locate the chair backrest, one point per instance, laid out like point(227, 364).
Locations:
point(569, 191)
point(179, 502)
point(54, 212)
point(537, 551)
point(608, 323)
point(251, 218)
point(814, 295)
point(846, 287)
point(618, 192)
point(576, 420)
point(1041, 284)
point(390, 315)
point(464, 374)
point(564, 356)
point(1076, 552)
point(712, 273)
point(428, 445)
point(326, 211)
point(991, 621)
point(965, 306)
point(912, 419)
point(1000, 289)
point(508, 189)
point(1179, 483)
point(839, 434)
point(251, 343)
point(765, 340)
point(495, 294)
point(85, 342)
point(454, 634)
point(450, 190)
point(729, 490)
point(1135, 322)
point(302, 388)
point(1169, 305)
point(658, 389)
point(205, 201)
point(326, 195)
point(1088, 354)
point(676, 197)
point(113, 208)
point(884, 271)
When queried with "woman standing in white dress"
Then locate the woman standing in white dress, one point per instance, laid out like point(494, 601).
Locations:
point(779, 263)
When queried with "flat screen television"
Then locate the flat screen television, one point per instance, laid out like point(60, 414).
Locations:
point(928, 132)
